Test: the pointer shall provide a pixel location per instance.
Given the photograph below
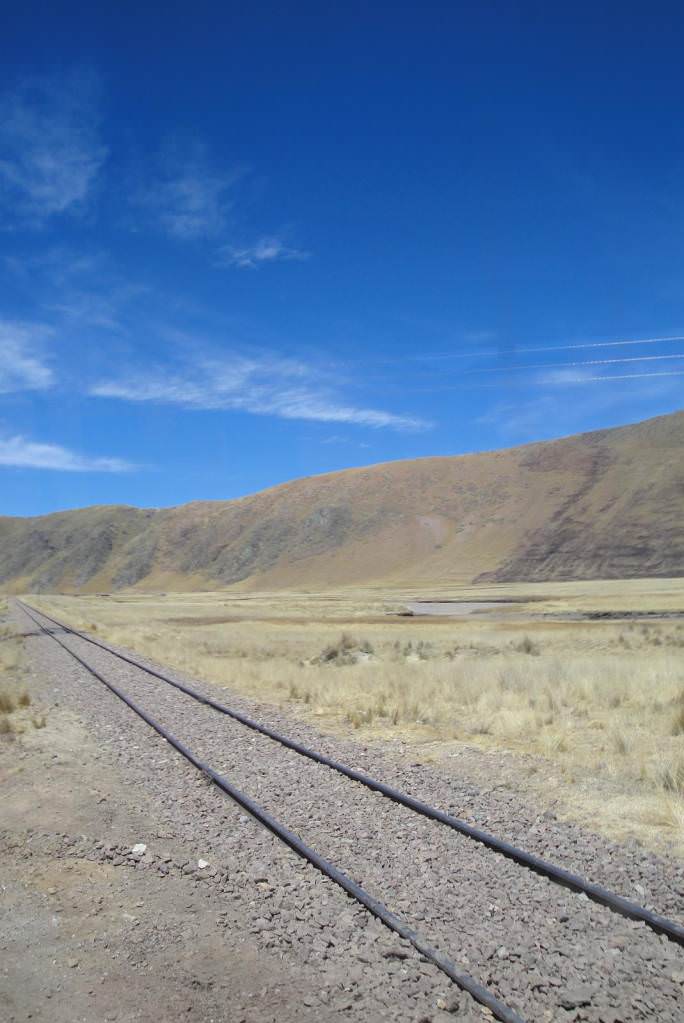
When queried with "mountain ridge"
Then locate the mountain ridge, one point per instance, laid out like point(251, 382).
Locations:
point(604, 504)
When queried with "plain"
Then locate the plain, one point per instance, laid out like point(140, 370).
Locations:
point(574, 691)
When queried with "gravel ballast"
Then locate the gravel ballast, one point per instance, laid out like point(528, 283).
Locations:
point(544, 951)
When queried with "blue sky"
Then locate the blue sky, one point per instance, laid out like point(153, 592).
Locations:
point(245, 243)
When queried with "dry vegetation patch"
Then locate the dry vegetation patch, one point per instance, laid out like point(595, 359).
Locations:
point(16, 710)
point(599, 699)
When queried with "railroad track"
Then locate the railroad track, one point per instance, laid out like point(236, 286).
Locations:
point(558, 875)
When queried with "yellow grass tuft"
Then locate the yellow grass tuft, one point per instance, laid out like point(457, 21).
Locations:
point(7, 701)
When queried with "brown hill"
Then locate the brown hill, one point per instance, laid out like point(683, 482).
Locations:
point(608, 504)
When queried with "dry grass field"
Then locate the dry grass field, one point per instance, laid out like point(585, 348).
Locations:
point(599, 701)
point(16, 711)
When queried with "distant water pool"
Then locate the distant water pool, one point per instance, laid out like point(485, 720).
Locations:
point(456, 608)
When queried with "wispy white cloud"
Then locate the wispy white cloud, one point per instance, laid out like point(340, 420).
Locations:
point(84, 288)
point(514, 349)
point(266, 250)
point(101, 307)
point(51, 149)
point(344, 441)
point(89, 309)
point(525, 368)
point(58, 266)
point(188, 198)
point(22, 365)
point(571, 400)
point(27, 454)
point(266, 385)
point(563, 377)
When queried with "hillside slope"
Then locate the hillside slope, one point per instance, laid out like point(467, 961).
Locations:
point(608, 504)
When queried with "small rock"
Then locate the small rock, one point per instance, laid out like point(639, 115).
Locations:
point(202, 864)
point(575, 996)
point(395, 953)
point(72, 963)
point(138, 850)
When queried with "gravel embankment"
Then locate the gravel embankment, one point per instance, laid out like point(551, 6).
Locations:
point(544, 951)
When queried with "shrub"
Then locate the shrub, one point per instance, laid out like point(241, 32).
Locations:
point(527, 646)
point(345, 651)
point(7, 703)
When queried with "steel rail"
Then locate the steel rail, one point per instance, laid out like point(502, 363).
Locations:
point(378, 909)
point(567, 879)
